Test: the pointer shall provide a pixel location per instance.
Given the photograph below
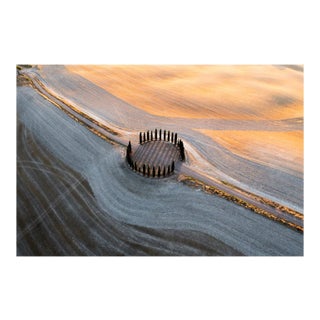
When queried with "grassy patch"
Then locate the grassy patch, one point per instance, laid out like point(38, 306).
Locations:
point(21, 66)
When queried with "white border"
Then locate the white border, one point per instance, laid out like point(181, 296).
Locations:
point(174, 32)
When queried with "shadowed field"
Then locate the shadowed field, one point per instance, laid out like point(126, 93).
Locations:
point(68, 221)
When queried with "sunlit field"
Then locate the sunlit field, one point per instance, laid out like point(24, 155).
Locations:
point(279, 149)
point(223, 92)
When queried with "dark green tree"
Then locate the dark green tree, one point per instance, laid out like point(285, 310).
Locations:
point(172, 134)
point(128, 154)
point(153, 171)
point(182, 154)
point(144, 169)
point(160, 132)
point(144, 137)
point(169, 169)
point(156, 134)
point(159, 172)
point(164, 171)
point(129, 147)
point(148, 137)
point(135, 166)
point(140, 138)
point(172, 166)
point(164, 135)
point(168, 136)
point(175, 138)
point(148, 171)
point(151, 136)
point(128, 157)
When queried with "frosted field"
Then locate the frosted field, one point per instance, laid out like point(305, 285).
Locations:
point(76, 196)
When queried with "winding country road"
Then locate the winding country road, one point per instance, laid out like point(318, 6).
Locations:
point(119, 136)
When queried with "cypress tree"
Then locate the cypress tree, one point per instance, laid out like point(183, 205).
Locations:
point(164, 135)
point(151, 136)
point(175, 138)
point(172, 137)
point(129, 147)
point(148, 135)
point(168, 136)
point(128, 156)
point(182, 151)
point(159, 173)
point(172, 166)
point(153, 172)
point(160, 134)
point(148, 171)
point(164, 171)
point(135, 166)
point(169, 169)
point(140, 138)
point(144, 137)
point(144, 169)
point(156, 134)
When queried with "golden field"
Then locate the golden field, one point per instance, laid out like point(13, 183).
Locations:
point(201, 91)
point(277, 149)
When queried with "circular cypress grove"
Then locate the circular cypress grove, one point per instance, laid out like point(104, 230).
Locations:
point(156, 153)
